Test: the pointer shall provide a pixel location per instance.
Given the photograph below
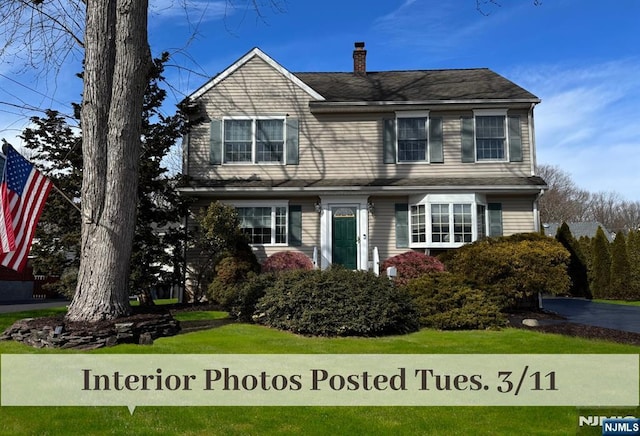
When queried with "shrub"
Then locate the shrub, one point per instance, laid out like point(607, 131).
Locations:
point(336, 302)
point(217, 235)
point(577, 268)
point(446, 301)
point(619, 283)
point(514, 268)
point(230, 273)
point(600, 265)
point(411, 265)
point(287, 260)
point(240, 300)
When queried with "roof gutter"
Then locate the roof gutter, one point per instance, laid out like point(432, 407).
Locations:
point(385, 106)
point(206, 191)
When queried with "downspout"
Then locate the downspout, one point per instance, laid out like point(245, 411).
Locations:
point(536, 212)
point(532, 140)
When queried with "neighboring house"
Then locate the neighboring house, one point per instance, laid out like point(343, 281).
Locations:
point(342, 163)
point(578, 229)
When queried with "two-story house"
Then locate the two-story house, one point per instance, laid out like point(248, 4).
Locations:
point(340, 163)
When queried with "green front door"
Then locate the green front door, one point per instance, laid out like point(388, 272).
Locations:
point(344, 239)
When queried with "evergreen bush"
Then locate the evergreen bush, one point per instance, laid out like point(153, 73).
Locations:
point(577, 268)
point(601, 265)
point(633, 249)
point(446, 301)
point(230, 273)
point(515, 269)
point(620, 279)
point(336, 302)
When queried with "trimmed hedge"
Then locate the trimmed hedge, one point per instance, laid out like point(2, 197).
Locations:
point(446, 301)
point(336, 302)
point(514, 268)
point(285, 261)
point(411, 265)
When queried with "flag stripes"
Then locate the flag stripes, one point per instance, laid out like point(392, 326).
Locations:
point(24, 192)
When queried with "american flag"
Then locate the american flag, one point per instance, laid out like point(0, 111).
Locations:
point(24, 191)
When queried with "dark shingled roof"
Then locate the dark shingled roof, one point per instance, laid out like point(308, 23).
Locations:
point(422, 85)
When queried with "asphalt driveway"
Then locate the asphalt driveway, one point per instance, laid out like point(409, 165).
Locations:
point(19, 306)
point(581, 311)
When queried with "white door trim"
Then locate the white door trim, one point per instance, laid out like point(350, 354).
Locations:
point(327, 204)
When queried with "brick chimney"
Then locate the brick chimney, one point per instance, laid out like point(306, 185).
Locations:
point(359, 60)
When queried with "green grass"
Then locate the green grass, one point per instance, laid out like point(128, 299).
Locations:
point(623, 302)
point(239, 338)
point(159, 302)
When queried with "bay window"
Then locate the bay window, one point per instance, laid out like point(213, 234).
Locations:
point(443, 221)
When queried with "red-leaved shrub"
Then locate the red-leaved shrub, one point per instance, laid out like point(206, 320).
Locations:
point(286, 260)
point(411, 265)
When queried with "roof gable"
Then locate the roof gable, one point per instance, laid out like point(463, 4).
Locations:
point(243, 60)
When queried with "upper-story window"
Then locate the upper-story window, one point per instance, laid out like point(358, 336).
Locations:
point(412, 137)
point(256, 140)
point(491, 136)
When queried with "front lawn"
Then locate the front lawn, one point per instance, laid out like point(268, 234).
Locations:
point(238, 338)
point(622, 302)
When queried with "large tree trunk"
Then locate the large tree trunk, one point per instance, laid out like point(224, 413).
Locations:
point(117, 60)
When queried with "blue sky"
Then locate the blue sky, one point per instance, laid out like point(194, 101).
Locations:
point(582, 58)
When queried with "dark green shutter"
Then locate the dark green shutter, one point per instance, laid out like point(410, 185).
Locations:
point(402, 225)
point(515, 140)
point(467, 136)
point(436, 154)
point(293, 145)
point(215, 154)
point(295, 225)
point(495, 219)
point(389, 141)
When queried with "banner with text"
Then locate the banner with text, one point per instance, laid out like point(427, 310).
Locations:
point(320, 380)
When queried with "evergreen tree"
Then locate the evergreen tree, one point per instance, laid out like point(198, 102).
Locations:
point(620, 270)
point(633, 252)
point(59, 146)
point(601, 257)
point(577, 268)
point(159, 206)
point(585, 244)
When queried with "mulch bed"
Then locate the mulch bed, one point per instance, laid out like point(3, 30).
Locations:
point(554, 323)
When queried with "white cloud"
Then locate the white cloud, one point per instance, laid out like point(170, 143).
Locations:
point(189, 10)
point(587, 122)
point(440, 29)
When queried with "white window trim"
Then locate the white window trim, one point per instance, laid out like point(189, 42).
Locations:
point(273, 204)
point(450, 199)
point(254, 119)
point(413, 114)
point(491, 113)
